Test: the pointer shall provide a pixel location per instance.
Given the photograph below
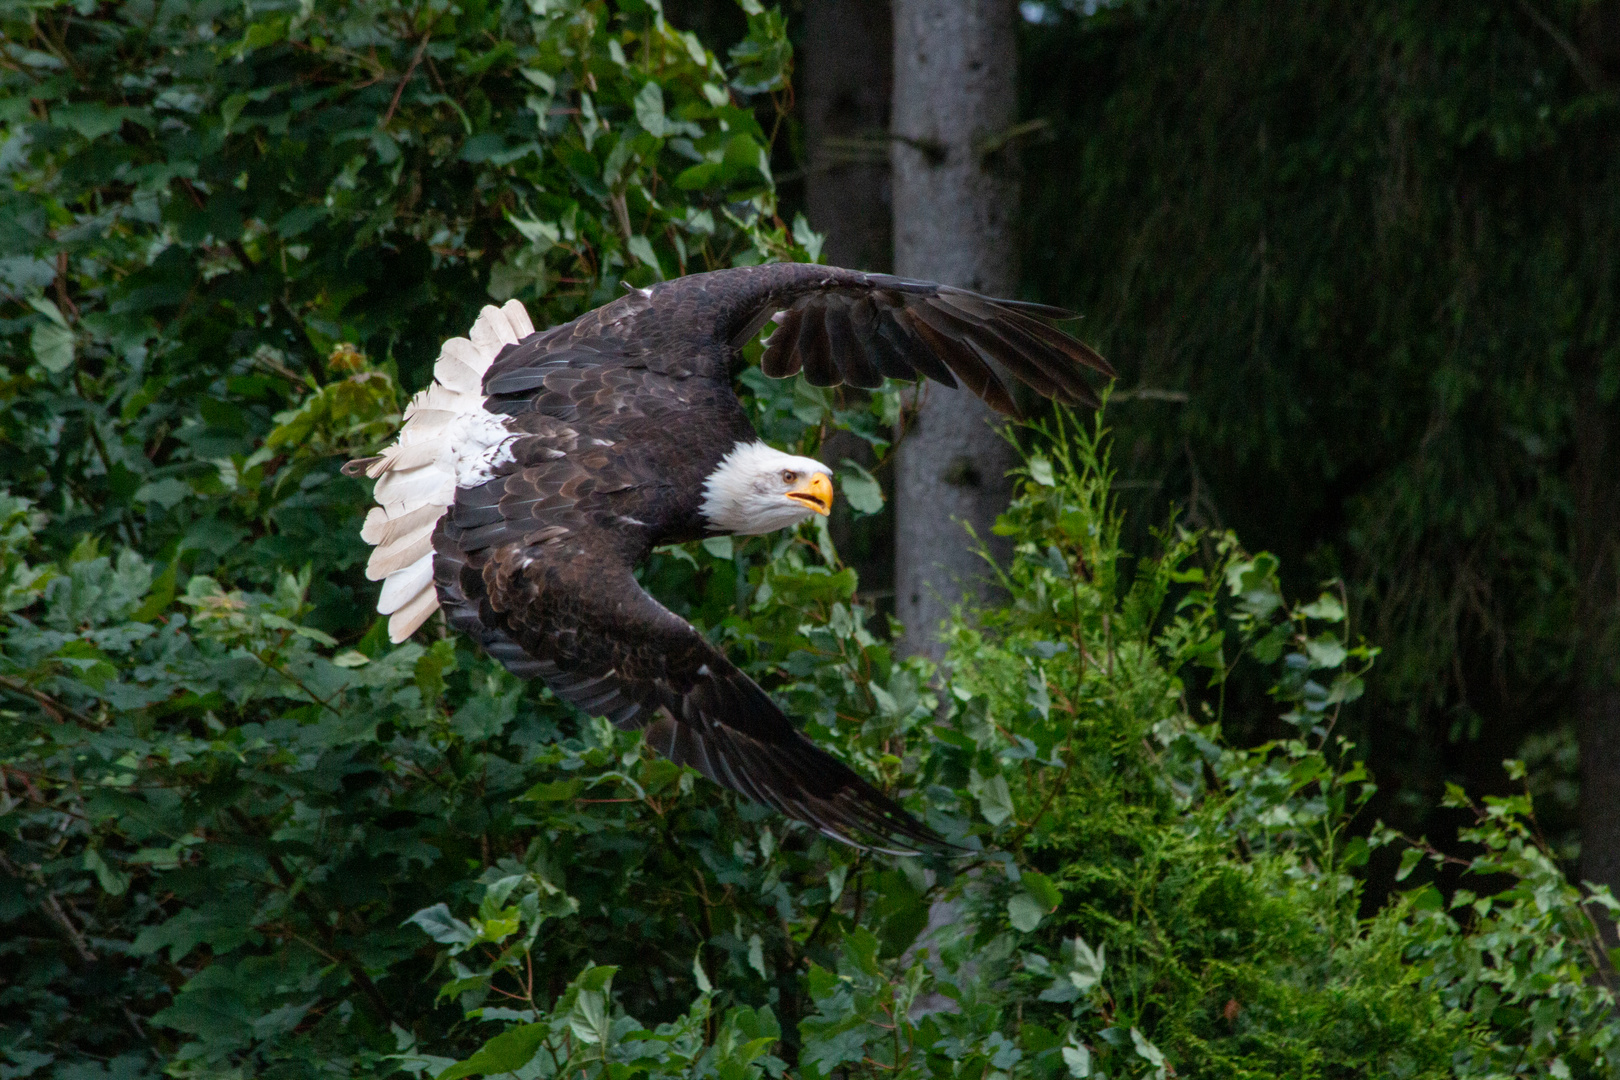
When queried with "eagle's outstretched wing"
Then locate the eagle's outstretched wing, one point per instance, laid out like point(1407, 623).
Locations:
point(573, 614)
point(836, 326)
point(844, 326)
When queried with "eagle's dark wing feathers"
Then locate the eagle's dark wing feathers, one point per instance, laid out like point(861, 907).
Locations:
point(572, 614)
point(841, 326)
point(837, 326)
point(536, 565)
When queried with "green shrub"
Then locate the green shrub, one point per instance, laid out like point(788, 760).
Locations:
point(1143, 899)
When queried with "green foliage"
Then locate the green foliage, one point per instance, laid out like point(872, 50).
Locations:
point(241, 834)
point(212, 210)
point(1142, 897)
point(1353, 261)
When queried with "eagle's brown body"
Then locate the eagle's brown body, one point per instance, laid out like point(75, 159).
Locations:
point(614, 422)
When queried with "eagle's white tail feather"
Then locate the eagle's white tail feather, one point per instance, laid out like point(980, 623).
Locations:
point(456, 373)
point(518, 316)
point(400, 491)
point(381, 529)
point(447, 440)
point(416, 455)
point(402, 587)
point(403, 623)
point(400, 554)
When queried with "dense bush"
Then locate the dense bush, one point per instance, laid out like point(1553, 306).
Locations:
point(242, 835)
point(1141, 898)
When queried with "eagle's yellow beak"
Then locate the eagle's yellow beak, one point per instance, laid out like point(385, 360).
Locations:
point(816, 492)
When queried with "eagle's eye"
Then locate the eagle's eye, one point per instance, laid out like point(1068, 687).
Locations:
point(789, 476)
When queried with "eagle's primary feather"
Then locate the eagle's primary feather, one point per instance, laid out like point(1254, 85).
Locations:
point(540, 468)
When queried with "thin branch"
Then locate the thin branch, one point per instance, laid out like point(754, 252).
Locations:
point(416, 58)
point(53, 909)
point(63, 300)
point(1583, 68)
point(303, 895)
point(54, 708)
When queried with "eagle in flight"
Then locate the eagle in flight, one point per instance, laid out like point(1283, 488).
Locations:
point(540, 468)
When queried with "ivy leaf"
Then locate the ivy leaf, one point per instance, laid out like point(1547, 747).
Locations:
point(1149, 1053)
point(1325, 607)
point(1326, 651)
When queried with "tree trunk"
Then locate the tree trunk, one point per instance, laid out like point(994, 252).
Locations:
point(1597, 631)
point(845, 60)
point(844, 94)
point(955, 82)
point(1597, 544)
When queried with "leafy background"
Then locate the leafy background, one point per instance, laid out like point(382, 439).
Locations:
point(242, 835)
point(1357, 273)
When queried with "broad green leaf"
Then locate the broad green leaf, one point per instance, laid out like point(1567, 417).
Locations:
point(1326, 651)
point(554, 791)
point(1042, 889)
point(113, 882)
point(1078, 1060)
point(861, 490)
point(52, 346)
point(507, 1052)
point(1326, 607)
point(995, 798)
point(1025, 912)
point(642, 249)
point(589, 1020)
point(93, 120)
point(443, 927)
point(650, 108)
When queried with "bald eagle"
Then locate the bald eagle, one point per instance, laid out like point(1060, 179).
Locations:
point(540, 468)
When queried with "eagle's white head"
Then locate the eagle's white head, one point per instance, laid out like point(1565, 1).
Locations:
point(757, 489)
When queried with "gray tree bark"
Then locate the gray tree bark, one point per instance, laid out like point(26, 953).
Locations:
point(844, 88)
point(845, 60)
point(955, 82)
